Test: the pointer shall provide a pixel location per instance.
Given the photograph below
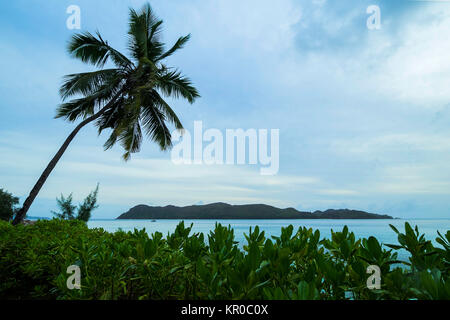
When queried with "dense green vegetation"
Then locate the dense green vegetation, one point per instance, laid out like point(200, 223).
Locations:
point(296, 265)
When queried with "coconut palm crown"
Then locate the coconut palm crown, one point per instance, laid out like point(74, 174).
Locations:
point(130, 95)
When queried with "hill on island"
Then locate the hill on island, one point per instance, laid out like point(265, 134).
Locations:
point(224, 211)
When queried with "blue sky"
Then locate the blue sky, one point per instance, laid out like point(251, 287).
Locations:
point(363, 114)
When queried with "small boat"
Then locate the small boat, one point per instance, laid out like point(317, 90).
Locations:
point(153, 220)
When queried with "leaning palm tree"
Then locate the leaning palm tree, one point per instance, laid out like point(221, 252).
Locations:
point(127, 98)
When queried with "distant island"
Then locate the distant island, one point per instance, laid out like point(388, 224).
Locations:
point(222, 211)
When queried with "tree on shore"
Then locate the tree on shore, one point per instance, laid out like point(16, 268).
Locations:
point(128, 99)
point(8, 204)
point(84, 210)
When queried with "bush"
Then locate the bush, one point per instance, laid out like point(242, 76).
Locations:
point(7, 205)
point(295, 265)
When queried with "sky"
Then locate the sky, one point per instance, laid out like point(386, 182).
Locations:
point(363, 114)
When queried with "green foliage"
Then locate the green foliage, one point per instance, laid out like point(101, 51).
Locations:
point(66, 207)
point(7, 205)
point(295, 265)
point(84, 210)
point(89, 204)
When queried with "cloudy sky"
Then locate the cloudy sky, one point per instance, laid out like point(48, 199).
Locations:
point(364, 115)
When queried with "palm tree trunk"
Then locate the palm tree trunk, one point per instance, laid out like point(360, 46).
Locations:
point(37, 187)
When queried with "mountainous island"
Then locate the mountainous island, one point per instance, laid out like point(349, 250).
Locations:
point(222, 211)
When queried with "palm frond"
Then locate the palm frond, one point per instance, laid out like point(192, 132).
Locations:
point(125, 122)
point(111, 117)
point(172, 83)
point(155, 31)
point(87, 83)
point(144, 34)
point(129, 134)
point(138, 33)
point(153, 120)
point(178, 45)
point(96, 51)
point(84, 107)
point(131, 139)
point(164, 107)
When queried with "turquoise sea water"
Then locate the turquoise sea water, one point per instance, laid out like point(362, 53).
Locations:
point(362, 228)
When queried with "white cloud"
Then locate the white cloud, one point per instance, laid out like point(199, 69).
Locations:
point(414, 179)
point(412, 66)
point(139, 180)
point(406, 143)
point(244, 24)
point(338, 192)
point(400, 163)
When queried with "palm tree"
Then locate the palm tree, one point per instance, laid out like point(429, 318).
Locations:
point(128, 98)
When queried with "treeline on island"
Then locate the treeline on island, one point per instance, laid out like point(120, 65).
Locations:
point(250, 211)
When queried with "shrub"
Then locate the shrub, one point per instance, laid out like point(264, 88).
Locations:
point(7, 205)
point(295, 265)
